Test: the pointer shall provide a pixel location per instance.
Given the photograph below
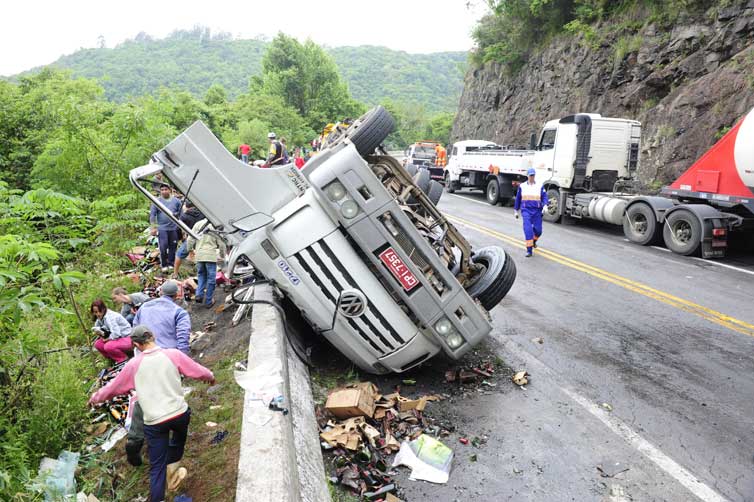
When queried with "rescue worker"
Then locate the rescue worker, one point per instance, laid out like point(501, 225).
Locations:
point(275, 157)
point(441, 156)
point(531, 201)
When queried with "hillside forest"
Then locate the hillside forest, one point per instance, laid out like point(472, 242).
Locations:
point(68, 214)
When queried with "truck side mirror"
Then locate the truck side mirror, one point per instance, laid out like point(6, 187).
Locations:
point(533, 141)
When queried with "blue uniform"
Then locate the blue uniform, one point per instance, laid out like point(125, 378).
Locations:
point(531, 198)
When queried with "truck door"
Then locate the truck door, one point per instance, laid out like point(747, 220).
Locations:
point(565, 153)
point(545, 154)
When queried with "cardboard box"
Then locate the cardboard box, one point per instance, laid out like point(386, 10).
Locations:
point(352, 401)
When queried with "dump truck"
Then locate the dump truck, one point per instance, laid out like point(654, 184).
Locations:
point(350, 240)
point(588, 164)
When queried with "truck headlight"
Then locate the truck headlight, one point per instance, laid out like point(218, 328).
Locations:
point(335, 191)
point(454, 340)
point(444, 327)
point(349, 209)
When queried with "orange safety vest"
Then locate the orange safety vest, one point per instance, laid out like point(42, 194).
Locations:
point(441, 160)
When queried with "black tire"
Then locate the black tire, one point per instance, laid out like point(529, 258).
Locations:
point(493, 191)
point(422, 179)
point(435, 192)
point(450, 186)
point(370, 130)
point(640, 224)
point(499, 276)
point(682, 232)
point(553, 207)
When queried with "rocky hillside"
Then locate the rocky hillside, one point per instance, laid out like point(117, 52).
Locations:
point(687, 85)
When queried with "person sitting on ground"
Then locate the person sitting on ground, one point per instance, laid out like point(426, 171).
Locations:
point(129, 302)
point(155, 374)
point(170, 323)
point(208, 249)
point(190, 216)
point(113, 331)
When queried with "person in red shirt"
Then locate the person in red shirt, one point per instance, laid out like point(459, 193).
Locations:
point(244, 150)
point(298, 159)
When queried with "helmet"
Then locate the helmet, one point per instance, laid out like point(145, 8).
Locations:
point(271, 135)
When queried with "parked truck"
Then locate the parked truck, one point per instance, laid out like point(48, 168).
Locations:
point(588, 165)
point(350, 240)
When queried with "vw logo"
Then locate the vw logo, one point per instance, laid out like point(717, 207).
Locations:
point(352, 303)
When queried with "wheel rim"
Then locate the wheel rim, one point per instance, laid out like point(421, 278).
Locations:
point(552, 206)
point(492, 192)
point(639, 223)
point(681, 232)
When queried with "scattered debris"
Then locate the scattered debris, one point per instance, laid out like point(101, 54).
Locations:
point(538, 340)
point(427, 457)
point(277, 404)
point(463, 440)
point(115, 435)
point(409, 381)
point(353, 401)
point(521, 378)
point(607, 407)
point(56, 476)
point(211, 424)
point(83, 497)
point(611, 469)
point(216, 407)
point(218, 437)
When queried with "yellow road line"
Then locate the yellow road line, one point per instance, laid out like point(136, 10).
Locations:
point(637, 287)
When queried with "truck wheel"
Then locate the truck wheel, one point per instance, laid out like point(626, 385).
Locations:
point(493, 191)
point(435, 192)
point(496, 280)
point(411, 170)
point(450, 186)
point(422, 179)
point(370, 130)
point(553, 206)
point(682, 232)
point(640, 224)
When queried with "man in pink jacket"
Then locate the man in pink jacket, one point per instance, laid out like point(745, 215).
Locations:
point(156, 375)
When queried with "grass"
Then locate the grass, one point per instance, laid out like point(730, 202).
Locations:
point(624, 46)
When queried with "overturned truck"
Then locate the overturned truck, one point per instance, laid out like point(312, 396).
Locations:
point(351, 240)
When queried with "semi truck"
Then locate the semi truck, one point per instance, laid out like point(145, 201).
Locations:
point(588, 164)
point(350, 240)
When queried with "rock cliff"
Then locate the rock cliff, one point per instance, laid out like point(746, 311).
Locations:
point(686, 84)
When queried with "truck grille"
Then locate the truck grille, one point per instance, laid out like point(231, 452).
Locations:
point(323, 267)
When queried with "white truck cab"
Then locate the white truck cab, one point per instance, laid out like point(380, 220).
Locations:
point(359, 249)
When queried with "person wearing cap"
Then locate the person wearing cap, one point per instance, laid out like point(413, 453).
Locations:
point(164, 228)
point(275, 157)
point(171, 326)
point(155, 374)
point(531, 201)
point(169, 322)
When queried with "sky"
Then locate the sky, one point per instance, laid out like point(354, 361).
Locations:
point(34, 32)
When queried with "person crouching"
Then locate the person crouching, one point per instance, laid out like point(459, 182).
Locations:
point(113, 331)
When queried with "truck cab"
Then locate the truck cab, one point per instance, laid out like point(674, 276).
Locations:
point(350, 240)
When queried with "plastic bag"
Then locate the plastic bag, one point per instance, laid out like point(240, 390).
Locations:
point(58, 482)
point(427, 457)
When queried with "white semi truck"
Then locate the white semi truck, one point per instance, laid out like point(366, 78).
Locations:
point(588, 165)
point(354, 244)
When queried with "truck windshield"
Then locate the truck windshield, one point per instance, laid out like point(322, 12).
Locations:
point(424, 152)
point(548, 139)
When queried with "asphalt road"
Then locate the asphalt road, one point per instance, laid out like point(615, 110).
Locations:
point(666, 342)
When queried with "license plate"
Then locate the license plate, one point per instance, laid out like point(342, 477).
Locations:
point(399, 269)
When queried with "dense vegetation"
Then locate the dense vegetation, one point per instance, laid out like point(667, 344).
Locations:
point(194, 60)
point(68, 213)
point(513, 29)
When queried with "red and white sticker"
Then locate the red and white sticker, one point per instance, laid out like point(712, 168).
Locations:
point(399, 269)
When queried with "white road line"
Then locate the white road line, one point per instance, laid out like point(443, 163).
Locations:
point(718, 264)
point(619, 428)
point(471, 200)
point(661, 249)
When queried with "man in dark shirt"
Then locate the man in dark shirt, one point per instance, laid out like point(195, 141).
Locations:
point(275, 158)
point(164, 228)
point(190, 216)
